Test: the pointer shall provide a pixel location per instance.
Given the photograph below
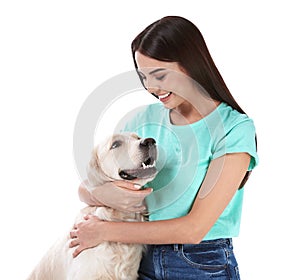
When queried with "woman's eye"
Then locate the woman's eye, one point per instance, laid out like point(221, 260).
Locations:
point(160, 78)
point(116, 144)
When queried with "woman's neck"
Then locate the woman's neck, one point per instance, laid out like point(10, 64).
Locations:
point(186, 113)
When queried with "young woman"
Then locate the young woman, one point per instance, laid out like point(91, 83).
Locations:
point(207, 149)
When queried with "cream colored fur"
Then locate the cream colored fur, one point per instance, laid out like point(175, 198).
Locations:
point(107, 261)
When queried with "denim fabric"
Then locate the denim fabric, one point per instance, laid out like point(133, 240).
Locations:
point(211, 259)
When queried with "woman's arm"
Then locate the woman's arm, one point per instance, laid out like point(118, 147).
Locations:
point(121, 195)
point(86, 197)
point(222, 180)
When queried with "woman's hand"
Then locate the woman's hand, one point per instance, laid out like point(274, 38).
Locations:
point(86, 234)
point(120, 195)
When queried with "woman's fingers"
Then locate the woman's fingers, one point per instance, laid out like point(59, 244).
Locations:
point(77, 251)
point(89, 216)
point(74, 242)
point(73, 234)
point(127, 185)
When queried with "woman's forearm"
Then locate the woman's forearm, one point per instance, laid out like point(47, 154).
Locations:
point(93, 231)
point(174, 231)
point(120, 195)
point(86, 197)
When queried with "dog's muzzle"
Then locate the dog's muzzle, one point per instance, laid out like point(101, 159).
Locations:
point(147, 168)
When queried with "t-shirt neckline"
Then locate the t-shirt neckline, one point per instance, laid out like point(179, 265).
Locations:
point(196, 123)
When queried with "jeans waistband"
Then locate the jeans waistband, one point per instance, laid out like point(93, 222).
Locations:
point(205, 243)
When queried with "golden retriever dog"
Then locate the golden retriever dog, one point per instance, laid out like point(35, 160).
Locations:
point(123, 156)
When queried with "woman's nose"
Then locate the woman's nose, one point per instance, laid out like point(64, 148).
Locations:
point(151, 85)
point(155, 90)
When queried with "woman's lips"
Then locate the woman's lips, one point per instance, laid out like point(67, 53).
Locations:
point(165, 97)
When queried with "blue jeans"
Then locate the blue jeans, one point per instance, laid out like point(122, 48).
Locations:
point(212, 259)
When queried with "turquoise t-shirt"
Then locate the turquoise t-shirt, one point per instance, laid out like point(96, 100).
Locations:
point(184, 154)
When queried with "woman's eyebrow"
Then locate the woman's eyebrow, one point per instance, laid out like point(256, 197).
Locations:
point(151, 72)
point(156, 70)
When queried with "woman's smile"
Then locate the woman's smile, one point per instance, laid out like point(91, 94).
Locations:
point(165, 97)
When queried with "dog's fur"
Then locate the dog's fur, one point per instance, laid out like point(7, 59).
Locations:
point(122, 156)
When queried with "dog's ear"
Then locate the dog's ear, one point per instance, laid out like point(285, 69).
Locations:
point(94, 161)
point(93, 167)
point(94, 164)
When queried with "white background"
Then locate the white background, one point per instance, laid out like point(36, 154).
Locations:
point(53, 54)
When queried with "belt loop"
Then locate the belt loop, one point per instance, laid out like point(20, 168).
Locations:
point(175, 247)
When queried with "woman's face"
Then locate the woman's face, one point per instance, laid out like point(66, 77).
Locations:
point(165, 79)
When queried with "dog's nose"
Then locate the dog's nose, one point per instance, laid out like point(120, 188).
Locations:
point(147, 142)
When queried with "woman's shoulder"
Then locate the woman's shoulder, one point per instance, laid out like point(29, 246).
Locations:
point(231, 117)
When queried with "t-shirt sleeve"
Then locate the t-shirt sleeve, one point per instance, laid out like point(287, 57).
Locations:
point(240, 138)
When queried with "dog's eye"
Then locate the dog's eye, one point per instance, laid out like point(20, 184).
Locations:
point(116, 144)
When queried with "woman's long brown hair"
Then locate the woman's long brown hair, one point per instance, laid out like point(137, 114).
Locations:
point(176, 39)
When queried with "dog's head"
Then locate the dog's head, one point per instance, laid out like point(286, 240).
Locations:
point(123, 156)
